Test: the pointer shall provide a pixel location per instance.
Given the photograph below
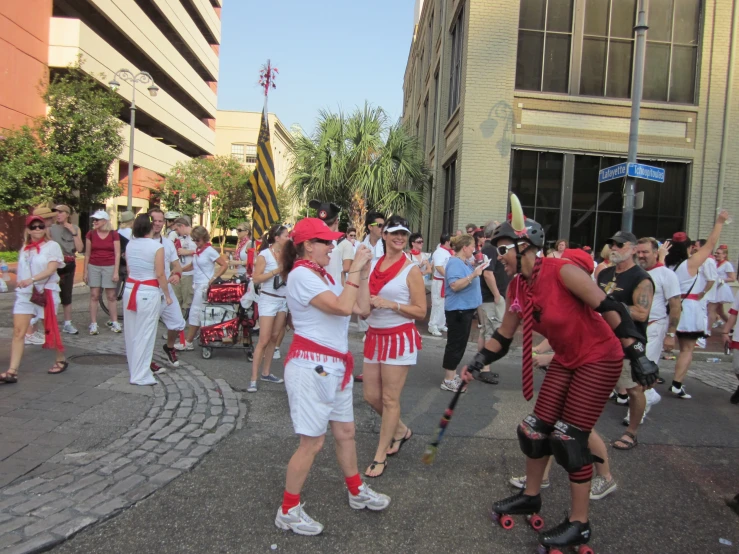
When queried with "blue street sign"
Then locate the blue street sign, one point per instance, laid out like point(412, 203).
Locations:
point(648, 172)
point(613, 172)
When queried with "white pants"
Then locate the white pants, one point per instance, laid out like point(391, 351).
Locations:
point(437, 319)
point(171, 314)
point(140, 328)
point(198, 303)
point(656, 333)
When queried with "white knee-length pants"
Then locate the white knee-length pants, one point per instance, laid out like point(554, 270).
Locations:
point(438, 318)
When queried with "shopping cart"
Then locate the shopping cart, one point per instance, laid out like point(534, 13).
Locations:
point(227, 321)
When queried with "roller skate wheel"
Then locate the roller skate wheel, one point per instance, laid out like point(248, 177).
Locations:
point(536, 522)
point(506, 522)
point(584, 549)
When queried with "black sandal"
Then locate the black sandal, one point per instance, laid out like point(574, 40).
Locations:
point(374, 465)
point(629, 445)
point(405, 438)
point(9, 377)
point(60, 366)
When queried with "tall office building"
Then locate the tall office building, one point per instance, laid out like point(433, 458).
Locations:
point(533, 97)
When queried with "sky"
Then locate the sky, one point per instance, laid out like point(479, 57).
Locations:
point(331, 54)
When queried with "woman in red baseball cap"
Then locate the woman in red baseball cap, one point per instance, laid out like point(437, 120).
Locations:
point(318, 367)
point(36, 295)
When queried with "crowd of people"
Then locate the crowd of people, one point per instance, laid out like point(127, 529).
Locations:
point(643, 299)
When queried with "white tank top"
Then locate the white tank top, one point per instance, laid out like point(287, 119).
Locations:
point(140, 254)
point(395, 291)
point(686, 280)
point(271, 265)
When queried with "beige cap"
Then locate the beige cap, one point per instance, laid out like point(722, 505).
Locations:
point(62, 208)
point(43, 211)
point(126, 216)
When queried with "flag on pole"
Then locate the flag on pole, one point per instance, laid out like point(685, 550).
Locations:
point(262, 182)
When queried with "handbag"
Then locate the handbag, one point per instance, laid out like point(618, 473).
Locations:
point(37, 297)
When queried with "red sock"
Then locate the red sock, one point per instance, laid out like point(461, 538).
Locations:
point(289, 501)
point(353, 483)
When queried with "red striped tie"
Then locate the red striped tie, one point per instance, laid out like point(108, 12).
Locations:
point(527, 365)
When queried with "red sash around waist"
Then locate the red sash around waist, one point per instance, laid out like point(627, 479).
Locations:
point(690, 296)
point(306, 348)
point(132, 299)
point(442, 285)
point(390, 342)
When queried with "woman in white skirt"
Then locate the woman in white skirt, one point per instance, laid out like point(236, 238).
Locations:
point(37, 264)
point(142, 299)
point(398, 298)
point(692, 324)
point(318, 368)
point(207, 265)
point(722, 293)
point(272, 303)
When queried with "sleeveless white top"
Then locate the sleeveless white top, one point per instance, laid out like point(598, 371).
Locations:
point(396, 291)
point(271, 265)
point(140, 254)
point(692, 318)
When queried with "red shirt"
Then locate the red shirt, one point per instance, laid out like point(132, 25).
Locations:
point(577, 334)
point(101, 250)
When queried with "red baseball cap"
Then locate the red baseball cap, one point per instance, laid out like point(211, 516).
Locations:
point(31, 218)
point(679, 237)
point(313, 228)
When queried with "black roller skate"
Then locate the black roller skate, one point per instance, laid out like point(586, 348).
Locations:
point(568, 534)
point(518, 504)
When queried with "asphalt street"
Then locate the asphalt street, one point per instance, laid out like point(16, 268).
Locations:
point(670, 497)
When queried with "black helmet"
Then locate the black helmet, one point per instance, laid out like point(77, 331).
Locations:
point(533, 233)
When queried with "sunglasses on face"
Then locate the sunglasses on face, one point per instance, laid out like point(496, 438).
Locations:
point(417, 242)
point(377, 224)
point(503, 249)
point(322, 241)
point(352, 236)
point(37, 227)
point(618, 244)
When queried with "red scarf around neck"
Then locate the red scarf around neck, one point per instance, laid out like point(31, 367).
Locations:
point(450, 250)
point(658, 264)
point(315, 267)
point(379, 279)
point(36, 245)
point(719, 264)
point(203, 249)
point(241, 244)
point(415, 252)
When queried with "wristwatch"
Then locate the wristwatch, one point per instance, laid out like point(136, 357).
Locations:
point(671, 335)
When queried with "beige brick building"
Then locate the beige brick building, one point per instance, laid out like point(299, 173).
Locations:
point(533, 96)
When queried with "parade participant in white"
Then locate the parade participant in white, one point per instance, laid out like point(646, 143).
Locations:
point(185, 250)
point(731, 342)
point(398, 298)
point(241, 253)
point(722, 292)
point(437, 320)
point(38, 262)
point(142, 299)
point(207, 266)
point(272, 303)
point(318, 371)
point(328, 212)
point(170, 314)
point(374, 222)
point(418, 257)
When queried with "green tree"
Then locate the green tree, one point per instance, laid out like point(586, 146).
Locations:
point(362, 162)
point(21, 183)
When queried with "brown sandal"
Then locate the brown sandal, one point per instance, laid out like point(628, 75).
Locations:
point(9, 377)
point(60, 367)
point(629, 445)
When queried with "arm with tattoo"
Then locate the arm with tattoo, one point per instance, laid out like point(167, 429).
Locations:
point(642, 299)
point(675, 312)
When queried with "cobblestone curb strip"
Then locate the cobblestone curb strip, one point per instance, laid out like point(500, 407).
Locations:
point(189, 415)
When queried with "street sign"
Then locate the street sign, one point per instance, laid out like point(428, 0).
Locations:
point(648, 172)
point(613, 172)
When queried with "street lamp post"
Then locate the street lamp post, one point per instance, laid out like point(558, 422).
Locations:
point(141, 77)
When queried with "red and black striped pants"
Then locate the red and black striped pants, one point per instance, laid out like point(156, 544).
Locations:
point(577, 396)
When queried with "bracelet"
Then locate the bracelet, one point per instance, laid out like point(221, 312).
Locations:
point(356, 286)
point(398, 304)
point(356, 271)
point(179, 273)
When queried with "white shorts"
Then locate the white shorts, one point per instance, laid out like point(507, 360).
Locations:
point(316, 399)
point(198, 303)
point(23, 305)
point(655, 338)
point(409, 358)
point(270, 306)
point(171, 315)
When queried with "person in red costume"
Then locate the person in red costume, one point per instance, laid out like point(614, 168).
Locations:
point(557, 299)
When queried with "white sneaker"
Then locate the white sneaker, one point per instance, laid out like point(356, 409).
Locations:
point(34, 339)
point(297, 521)
point(680, 393)
point(367, 498)
point(276, 355)
point(94, 329)
point(69, 329)
point(520, 482)
point(627, 420)
point(186, 346)
point(116, 327)
point(451, 386)
point(700, 343)
point(653, 397)
point(252, 386)
point(444, 329)
point(600, 487)
point(434, 331)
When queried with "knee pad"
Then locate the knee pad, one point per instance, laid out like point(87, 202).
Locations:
point(533, 437)
point(570, 447)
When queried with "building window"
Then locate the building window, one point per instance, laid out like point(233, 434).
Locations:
point(450, 183)
point(424, 132)
point(237, 152)
point(455, 76)
point(544, 43)
point(536, 179)
point(251, 153)
point(436, 103)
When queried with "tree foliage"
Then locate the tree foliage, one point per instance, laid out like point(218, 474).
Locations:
point(64, 156)
point(362, 162)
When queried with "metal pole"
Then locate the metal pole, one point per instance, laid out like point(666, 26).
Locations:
point(130, 148)
point(627, 220)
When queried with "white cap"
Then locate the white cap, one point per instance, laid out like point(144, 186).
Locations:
point(100, 214)
point(171, 215)
point(397, 228)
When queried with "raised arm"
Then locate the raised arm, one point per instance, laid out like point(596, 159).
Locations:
point(697, 259)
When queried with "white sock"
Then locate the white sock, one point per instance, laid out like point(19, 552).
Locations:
point(67, 322)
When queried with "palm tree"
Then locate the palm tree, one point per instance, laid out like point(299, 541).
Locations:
point(361, 163)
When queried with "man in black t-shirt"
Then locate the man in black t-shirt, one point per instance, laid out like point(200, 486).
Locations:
point(628, 283)
point(494, 285)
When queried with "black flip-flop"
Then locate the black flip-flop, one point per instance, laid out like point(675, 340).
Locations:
point(372, 467)
point(629, 446)
point(62, 365)
point(402, 441)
